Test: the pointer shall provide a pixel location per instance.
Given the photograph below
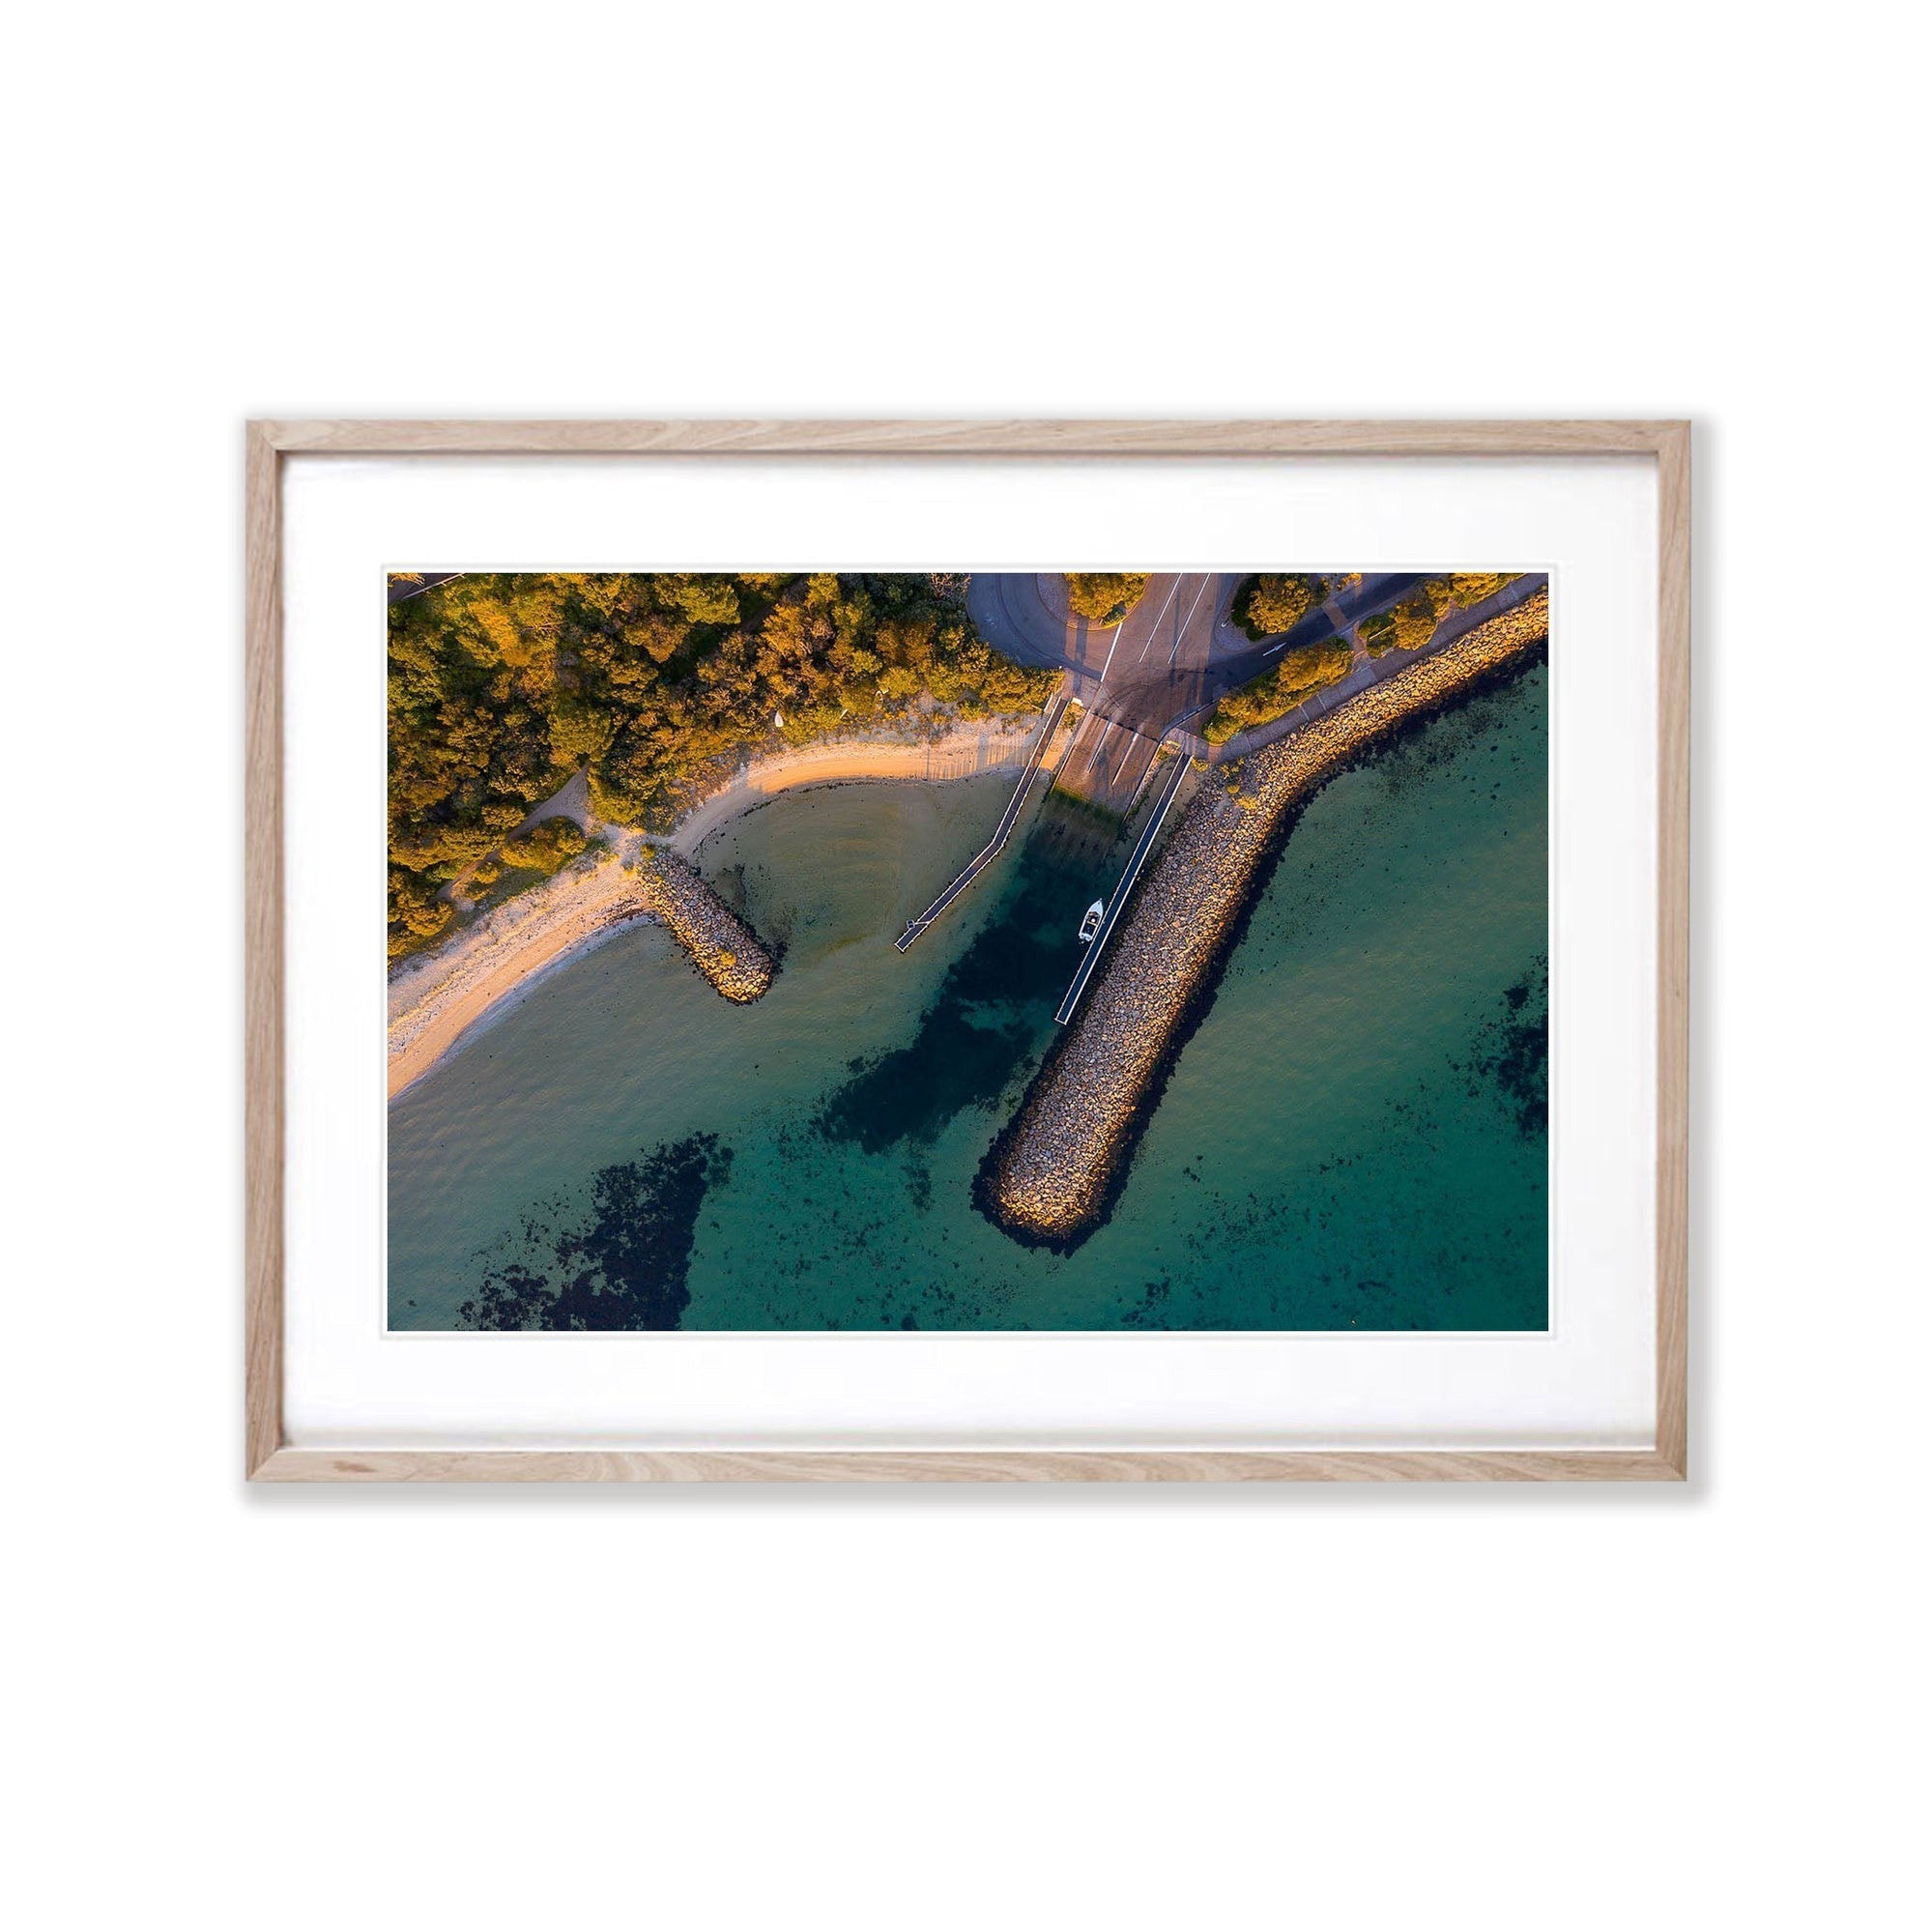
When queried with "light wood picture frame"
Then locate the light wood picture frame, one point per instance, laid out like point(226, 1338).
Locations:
point(269, 1457)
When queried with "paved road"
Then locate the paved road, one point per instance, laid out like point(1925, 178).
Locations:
point(402, 590)
point(1024, 614)
point(1174, 657)
point(1133, 678)
point(1151, 675)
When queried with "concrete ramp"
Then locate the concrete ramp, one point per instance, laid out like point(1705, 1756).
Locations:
point(1107, 764)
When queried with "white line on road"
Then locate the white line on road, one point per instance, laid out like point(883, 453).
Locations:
point(1188, 620)
point(1093, 750)
point(1121, 626)
point(1179, 580)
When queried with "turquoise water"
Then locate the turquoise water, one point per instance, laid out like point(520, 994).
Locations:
point(1353, 1136)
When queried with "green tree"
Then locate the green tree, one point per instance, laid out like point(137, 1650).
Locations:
point(703, 600)
point(580, 731)
point(501, 687)
point(1102, 597)
point(1473, 589)
point(1409, 624)
point(1300, 674)
point(1268, 606)
point(546, 848)
point(416, 916)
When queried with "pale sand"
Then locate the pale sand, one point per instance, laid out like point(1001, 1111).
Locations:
point(437, 996)
point(964, 752)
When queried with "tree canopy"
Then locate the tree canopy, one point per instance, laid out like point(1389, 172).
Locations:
point(546, 848)
point(1102, 597)
point(1298, 676)
point(1473, 588)
point(502, 686)
point(1409, 624)
point(1266, 606)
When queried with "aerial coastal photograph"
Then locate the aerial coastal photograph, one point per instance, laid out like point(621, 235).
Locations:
point(1101, 950)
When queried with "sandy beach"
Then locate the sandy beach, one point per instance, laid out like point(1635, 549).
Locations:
point(964, 752)
point(437, 997)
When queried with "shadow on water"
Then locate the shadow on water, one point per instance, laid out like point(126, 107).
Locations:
point(1077, 834)
point(995, 1007)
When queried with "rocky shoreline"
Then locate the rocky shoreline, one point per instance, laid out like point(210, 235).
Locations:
point(1050, 1177)
point(716, 940)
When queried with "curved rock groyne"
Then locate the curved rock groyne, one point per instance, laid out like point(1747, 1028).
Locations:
point(1051, 1175)
point(720, 944)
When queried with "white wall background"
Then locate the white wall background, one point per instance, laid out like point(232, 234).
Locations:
point(1332, 1709)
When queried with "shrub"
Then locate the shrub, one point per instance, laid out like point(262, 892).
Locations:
point(546, 848)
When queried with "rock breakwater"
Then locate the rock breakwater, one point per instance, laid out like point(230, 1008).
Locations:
point(1051, 1175)
point(719, 943)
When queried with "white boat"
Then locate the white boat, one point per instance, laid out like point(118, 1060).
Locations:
point(1090, 925)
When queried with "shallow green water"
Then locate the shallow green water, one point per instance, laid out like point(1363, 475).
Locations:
point(1352, 1138)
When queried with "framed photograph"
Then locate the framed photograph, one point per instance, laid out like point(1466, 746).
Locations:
point(968, 951)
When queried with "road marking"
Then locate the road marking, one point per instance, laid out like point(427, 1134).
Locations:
point(1115, 646)
point(1188, 620)
point(1180, 578)
point(1093, 750)
point(1110, 649)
